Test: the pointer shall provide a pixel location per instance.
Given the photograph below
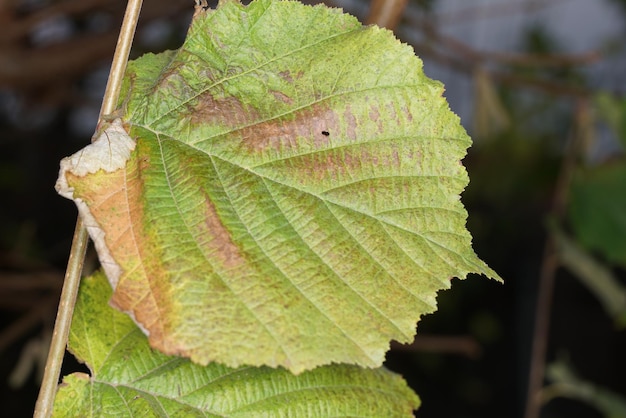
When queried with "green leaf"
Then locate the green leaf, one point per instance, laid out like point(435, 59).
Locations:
point(283, 190)
point(597, 210)
point(128, 378)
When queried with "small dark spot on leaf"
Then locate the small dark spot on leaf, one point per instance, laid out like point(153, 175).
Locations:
point(325, 133)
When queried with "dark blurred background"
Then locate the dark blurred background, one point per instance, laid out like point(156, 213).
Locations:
point(539, 85)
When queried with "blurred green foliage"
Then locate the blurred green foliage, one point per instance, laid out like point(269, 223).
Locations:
point(597, 210)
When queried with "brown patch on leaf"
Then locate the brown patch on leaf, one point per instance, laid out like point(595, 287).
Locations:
point(114, 200)
point(170, 80)
point(300, 130)
point(287, 76)
point(228, 111)
point(391, 112)
point(395, 158)
point(374, 115)
point(409, 115)
point(220, 242)
point(282, 97)
point(350, 121)
point(336, 166)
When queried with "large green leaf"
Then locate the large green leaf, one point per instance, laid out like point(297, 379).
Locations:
point(130, 379)
point(282, 190)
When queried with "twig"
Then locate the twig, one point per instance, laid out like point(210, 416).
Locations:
point(460, 56)
point(21, 68)
point(461, 345)
point(29, 281)
point(460, 48)
point(568, 384)
point(549, 268)
point(492, 10)
point(20, 27)
point(551, 87)
point(21, 63)
point(43, 408)
point(386, 13)
point(45, 401)
point(19, 328)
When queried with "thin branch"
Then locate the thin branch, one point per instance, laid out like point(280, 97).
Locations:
point(460, 345)
point(15, 29)
point(386, 13)
point(45, 402)
point(550, 87)
point(492, 10)
point(533, 60)
point(122, 51)
point(33, 68)
point(24, 324)
point(460, 56)
point(29, 281)
point(553, 60)
point(550, 265)
point(568, 384)
point(547, 276)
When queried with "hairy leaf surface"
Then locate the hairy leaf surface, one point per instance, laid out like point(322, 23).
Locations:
point(292, 196)
point(130, 379)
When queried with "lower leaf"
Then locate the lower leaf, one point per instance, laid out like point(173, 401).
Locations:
point(128, 378)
